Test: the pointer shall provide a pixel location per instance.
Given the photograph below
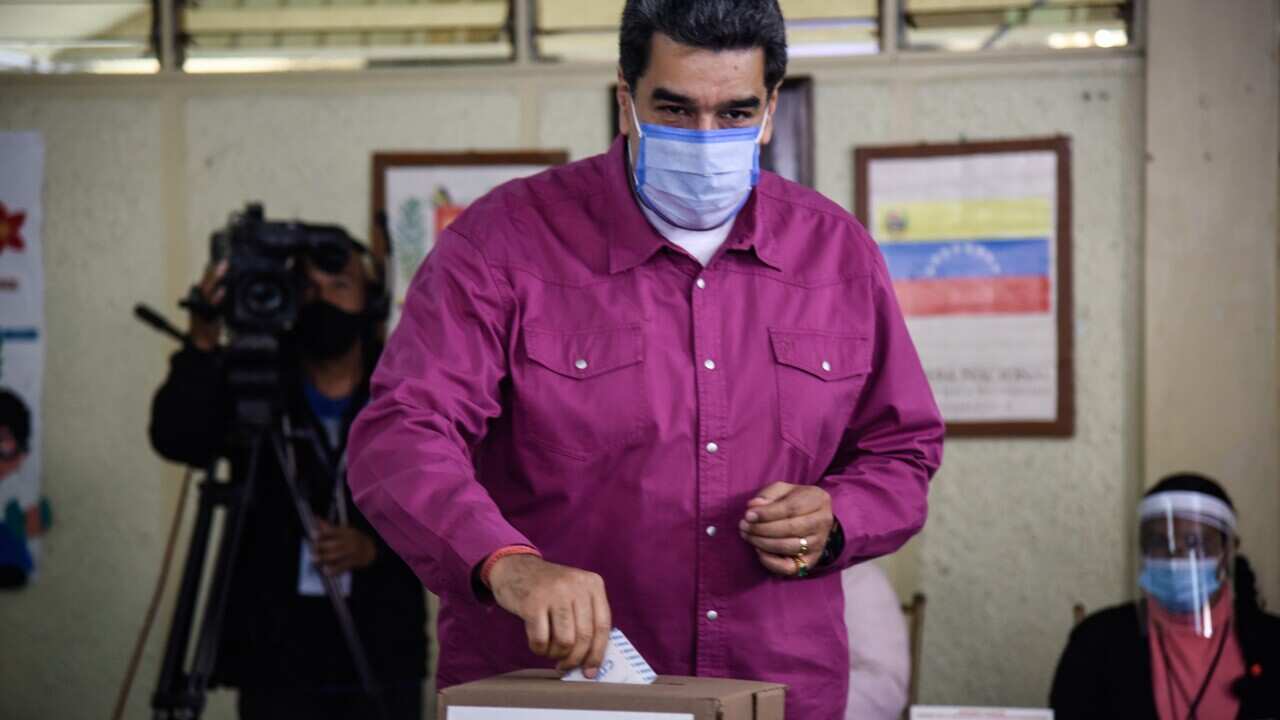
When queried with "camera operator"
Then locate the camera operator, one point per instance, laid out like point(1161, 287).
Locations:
point(281, 643)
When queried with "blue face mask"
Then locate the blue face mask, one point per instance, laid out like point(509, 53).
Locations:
point(696, 179)
point(1180, 585)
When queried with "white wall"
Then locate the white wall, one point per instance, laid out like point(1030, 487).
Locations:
point(64, 642)
point(1022, 529)
point(1019, 530)
point(1214, 96)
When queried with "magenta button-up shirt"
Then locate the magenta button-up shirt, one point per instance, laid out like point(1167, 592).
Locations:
point(563, 377)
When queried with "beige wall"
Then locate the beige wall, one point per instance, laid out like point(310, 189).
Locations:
point(140, 170)
point(64, 641)
point(1213, 96)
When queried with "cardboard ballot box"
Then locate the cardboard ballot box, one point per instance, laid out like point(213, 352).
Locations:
point(542, 695)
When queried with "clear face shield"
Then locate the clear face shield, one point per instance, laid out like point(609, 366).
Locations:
point(1187, 545)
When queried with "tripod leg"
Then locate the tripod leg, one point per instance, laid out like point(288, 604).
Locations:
point(288, 464)
point(170, 690)
point(220, 584)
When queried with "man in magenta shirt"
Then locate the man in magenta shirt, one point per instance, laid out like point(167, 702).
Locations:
point(657, 389)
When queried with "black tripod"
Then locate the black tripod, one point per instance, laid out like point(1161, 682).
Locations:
point(181, 691)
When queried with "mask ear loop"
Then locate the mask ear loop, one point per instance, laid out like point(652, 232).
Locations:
point(763, 125)
point(635, 119)
point(637, 172)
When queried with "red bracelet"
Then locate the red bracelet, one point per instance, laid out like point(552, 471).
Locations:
point(504, 552)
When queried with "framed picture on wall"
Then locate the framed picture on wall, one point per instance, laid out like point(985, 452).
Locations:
point(977, 237)
point(419, 194)
point(790, 152)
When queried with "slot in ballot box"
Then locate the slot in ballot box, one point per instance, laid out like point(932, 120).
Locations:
point(542, 695)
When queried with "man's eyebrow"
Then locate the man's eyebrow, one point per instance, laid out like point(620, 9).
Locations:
point(746, 103)
point(665, 95)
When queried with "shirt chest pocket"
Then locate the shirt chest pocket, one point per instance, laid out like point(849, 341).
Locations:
point(581, 393)
point(820, 378)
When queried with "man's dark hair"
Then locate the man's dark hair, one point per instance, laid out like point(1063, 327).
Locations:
point(708, 24)
point(15, 416)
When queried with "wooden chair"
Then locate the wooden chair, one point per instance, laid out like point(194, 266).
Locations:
point(914, 612)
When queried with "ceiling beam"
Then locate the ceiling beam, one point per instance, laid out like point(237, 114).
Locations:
point(924, 6)
point(334, 18)
point(578, 15)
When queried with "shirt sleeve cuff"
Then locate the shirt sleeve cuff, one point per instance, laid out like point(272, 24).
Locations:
point(867, 537)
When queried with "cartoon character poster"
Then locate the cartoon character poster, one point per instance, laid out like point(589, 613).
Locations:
point(422, 193)
point(24, 514)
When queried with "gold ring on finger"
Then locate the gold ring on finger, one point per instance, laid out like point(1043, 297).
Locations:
point(802, 567)
point(804, 546)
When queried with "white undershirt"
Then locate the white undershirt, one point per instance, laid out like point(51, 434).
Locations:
point(702, 244)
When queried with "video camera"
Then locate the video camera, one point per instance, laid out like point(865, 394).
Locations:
point(264, 279)
point(264, 285)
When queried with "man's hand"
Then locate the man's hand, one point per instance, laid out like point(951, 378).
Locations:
point(565, 610)
point(779, 516)
point(205, 334)
point(339, 549)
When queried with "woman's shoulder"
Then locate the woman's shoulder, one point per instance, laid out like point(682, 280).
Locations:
point(1106, 622)
point(1268, 625)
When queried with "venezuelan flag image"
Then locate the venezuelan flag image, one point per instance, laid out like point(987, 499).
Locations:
point(969, 256)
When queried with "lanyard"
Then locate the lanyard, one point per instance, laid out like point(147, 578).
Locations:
point(337, 473)
point(339, 482)
point(1171, 679)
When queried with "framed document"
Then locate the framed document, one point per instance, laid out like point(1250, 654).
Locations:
point(977, 238)
point(421, 193)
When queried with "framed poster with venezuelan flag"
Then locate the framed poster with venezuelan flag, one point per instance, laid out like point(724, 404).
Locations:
point(977, 239)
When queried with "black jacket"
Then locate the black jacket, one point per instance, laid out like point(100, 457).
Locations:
point(273, 637)
point(1105, 672)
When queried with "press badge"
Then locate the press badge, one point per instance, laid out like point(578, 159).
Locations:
point(311, 579)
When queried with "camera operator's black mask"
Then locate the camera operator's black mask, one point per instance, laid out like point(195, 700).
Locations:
point(325, 331)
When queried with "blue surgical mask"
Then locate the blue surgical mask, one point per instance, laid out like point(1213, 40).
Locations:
point(696, 179)
point(1181, 585)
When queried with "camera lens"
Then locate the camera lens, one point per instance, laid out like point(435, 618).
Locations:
point(264, 297)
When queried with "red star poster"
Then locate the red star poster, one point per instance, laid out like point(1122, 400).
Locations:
point(11, 230)
point(24, 515)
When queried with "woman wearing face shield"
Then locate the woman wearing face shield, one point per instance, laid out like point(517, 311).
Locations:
point(1197, 644)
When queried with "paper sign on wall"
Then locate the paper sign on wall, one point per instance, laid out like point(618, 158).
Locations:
point(422, 193)
point(976, 238)
point(24, 515)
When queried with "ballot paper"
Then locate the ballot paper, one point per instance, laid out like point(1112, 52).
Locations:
point(622, 664)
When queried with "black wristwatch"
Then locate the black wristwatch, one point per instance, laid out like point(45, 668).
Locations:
point(835, 545)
